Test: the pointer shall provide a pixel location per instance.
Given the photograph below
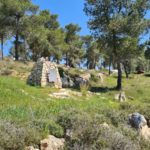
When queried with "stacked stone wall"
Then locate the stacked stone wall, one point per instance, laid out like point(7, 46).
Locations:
point(39, 74)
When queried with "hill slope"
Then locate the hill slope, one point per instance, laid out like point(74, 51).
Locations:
point(31, 110)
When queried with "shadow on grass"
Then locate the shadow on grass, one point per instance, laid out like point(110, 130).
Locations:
point(102, 89)
point(147, 75)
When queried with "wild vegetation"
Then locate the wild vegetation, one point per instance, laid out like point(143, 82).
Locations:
point(117, 27)
point(91, 119)
point(28, 113)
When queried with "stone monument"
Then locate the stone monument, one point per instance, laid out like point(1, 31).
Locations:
point(45, 73)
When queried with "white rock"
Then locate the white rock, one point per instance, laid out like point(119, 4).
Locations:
point(145, 132)
point(52, 143)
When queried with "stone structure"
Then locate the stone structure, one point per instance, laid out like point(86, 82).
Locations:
point(45, 73)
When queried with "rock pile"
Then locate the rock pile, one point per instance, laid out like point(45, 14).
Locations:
point(45, 73)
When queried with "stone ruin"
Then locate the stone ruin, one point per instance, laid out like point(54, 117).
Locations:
point(45, 73)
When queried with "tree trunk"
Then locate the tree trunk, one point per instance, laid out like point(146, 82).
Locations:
point(2, 47)
point(17, 38)
point(149, 66)
point(91, 65)
point(87, 64)
point(126, 71)
point(66, 59)
point(109, 65)
point(16, 47)
point(119, 79)
point(57, 61)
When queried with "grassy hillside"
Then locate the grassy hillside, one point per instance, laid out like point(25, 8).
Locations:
point(30, 110)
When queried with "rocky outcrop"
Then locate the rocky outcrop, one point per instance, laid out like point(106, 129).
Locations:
point(45, 73)
point(85, 76)
point(67, 82)
point(52, 143)
point(101, 77)
point(137, 120)
point(145, 132)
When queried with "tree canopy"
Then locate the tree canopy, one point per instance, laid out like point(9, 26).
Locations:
point(117, 27)
point(120, 23)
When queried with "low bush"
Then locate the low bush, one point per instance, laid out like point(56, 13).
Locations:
point(49, 127)
point(89, 133)
point(5, 72)
point(15, 137)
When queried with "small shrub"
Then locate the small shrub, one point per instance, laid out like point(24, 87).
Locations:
point(94, 78)
point(49, 127)
point(88, 133)
point(115, 117)
point(126, 106)
point(84, 89)
point(15, 137)
point(5, 72)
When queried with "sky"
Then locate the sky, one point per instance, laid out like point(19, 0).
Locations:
point(69, 11)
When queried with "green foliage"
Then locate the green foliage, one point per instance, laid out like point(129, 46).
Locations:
point(90, 133)
point(33, 114)
point(119, 24)
point(16, 137)
point(49, 127)
point(93, 51)
point(74, 51)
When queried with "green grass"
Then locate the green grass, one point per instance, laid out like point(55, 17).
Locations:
point(20, 101)
point(31, 106)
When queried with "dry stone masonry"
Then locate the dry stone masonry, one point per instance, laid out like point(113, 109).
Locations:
point(45, 73)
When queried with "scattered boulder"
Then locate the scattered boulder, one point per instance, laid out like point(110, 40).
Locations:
point(67, 81)
point(69, 133)
point(145, 132)
point(79, 81)
point(114, 71)
point(52, 143)
point(62, 94)
point(105, 125)
point(121, 97)
point(101, 77)
point(86, 76)
point(137, 120)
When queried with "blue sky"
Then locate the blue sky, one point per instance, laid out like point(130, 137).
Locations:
point(69, 11)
